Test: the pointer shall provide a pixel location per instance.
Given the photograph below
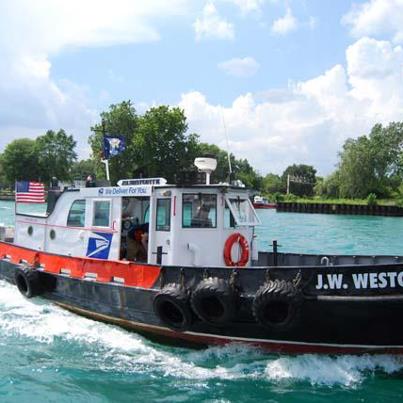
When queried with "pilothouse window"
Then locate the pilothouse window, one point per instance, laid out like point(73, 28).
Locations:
point(229, 220)
point(101, 213)
point(76, 216)
point(199, 211)
point(163, 215)
point(242, 211)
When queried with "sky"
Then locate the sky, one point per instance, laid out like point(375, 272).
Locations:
point(288, 81)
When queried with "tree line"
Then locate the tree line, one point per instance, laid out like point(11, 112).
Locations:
point(158, 144)
point(368, 166)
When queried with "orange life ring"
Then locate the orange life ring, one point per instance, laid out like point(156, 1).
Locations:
point(243, 243)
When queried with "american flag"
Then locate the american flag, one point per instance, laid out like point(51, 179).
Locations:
point(30, 192)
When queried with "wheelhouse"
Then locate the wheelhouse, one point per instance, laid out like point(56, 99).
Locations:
point(147, 221)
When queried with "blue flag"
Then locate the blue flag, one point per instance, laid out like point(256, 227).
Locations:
point(113, 145)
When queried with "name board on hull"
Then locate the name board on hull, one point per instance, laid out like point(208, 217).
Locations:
point(117, 191)
point(350, 282)
point(142, 181)
point(359, 281)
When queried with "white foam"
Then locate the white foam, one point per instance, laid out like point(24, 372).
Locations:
point(110, 348)
point(344, 370)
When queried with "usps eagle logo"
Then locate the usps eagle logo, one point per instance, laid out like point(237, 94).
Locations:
point(114, 146)
point(99, 245)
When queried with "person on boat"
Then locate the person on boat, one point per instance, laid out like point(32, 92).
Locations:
point(90, 181)
point(137, 243)
point(201, 219)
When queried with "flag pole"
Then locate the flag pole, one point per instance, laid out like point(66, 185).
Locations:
point(15, 198)
point(106, 162)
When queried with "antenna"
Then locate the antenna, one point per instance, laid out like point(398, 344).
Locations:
point(227, 139)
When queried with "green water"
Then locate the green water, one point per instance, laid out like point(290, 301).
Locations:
point(50, 355)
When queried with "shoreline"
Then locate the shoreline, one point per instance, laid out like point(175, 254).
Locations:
point(334, 208)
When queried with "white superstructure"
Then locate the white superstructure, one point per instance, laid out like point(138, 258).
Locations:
point(185, 225)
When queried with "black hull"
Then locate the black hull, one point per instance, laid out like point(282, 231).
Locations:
point(336, 320)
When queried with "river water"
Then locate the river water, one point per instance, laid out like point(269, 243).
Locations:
point(50, 355)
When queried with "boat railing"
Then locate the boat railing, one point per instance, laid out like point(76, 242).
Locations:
point(295, 259)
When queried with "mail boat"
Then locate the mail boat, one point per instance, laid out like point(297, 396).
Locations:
point(199, 278)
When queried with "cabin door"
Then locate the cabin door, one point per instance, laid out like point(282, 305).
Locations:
point(160, 241)
point(135, 228)
point(104, 222)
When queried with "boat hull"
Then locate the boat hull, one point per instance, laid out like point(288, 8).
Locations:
point(264, 206)
point(336, 320)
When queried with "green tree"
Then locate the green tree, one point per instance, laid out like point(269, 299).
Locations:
point(372, 164)
point(81, 169)
point(355, 168)
point(246, 173)
point(221, 174)
point(55, 154)
point(157, 144)
point(2, 176)
point(272, 183)
point(20, 161)
point(120, 119)
point(241, 168)
point(329, 186)
point(306, 179)
point(161, 146)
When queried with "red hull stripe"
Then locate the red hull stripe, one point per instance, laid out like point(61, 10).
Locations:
point(103, 271)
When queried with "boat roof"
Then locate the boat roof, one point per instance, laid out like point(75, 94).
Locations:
point(145, 186)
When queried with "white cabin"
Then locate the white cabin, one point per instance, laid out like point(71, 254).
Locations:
point(186, 226)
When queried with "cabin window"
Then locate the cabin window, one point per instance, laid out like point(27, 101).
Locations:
point(163, 215)
point(229, 220)
point(76, 216)
point(101, 213)
point(199, 210)
point(242, 211)
point(146, 217)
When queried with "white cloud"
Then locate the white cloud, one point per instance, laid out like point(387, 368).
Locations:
point(377, 17)
point(31, 100)
point(247, 6)
point(286, 24)
point(309, 121)
point(240, 67)
point(212, 26)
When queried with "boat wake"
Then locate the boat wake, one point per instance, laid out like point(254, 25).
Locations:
point(96, 346)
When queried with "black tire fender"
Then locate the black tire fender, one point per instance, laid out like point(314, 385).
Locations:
point(171, 305)
point(214, 301)
point(276, 304)
point(28, 282)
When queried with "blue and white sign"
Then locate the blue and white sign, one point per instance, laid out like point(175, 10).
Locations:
point(125, 191)
point(113, 145)
point(117, 191)
point(99, 245)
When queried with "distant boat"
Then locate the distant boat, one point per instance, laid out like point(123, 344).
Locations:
point(261, 202)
